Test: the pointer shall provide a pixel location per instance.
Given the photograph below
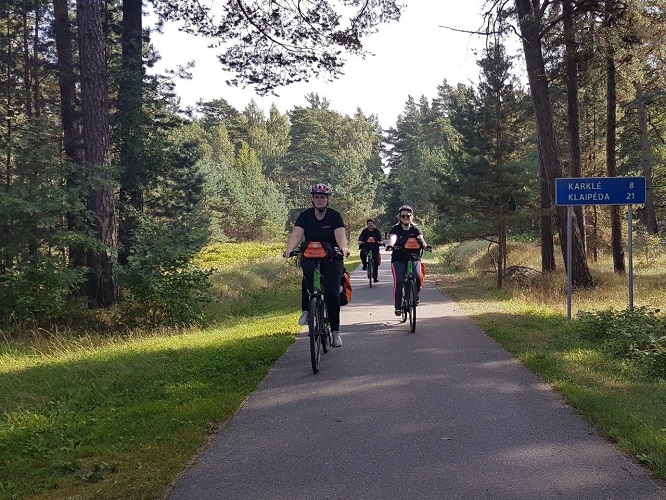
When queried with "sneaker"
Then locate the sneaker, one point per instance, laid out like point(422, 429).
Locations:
point(398, 312)
point(364, 268)
point(303, 320)
point(375, 280)
point(337, 340)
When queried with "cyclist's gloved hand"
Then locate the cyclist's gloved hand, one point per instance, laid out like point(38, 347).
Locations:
point(428, 248)
point(389, 248)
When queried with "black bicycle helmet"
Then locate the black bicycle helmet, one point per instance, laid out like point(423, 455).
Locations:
point(406, 208)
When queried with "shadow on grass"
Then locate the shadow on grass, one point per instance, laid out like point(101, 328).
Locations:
point(84, 425)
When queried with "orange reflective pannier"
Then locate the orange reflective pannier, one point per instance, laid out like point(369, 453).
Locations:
point(412, 244)
point(315, 250)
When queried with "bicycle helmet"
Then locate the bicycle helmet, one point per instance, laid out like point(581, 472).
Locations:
point(320, 188)
point(406, 208)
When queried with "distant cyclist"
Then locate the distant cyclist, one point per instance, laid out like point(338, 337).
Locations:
point(322, 223)
point(369, 241)
point(404, 235)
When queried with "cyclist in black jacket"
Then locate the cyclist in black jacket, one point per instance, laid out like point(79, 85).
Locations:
point(369, 240)
point(321, 223)
point(399, 235)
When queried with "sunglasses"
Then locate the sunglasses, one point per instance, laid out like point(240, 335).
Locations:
point(405, 216)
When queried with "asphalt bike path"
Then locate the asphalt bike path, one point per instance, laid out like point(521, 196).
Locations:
point(442, 413)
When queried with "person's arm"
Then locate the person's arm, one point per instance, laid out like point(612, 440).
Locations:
point(294, 239)
point(360, 237)
point(422, 240)
point(341, 240)
point(392, 239)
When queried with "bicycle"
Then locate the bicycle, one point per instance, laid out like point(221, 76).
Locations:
point(319, 328)
point(410, 288)
point(370, 259)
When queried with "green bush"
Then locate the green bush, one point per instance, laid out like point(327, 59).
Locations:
point(638, 335)
point(37, 290)
point(162, 285)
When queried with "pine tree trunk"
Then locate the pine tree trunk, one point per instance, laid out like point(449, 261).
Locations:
point(530, 31)
point(547, 247)
point(70, 119)
point(573, 110)
point(102, 286)
point(611, 169)
point(130, 106)
point(649, 214)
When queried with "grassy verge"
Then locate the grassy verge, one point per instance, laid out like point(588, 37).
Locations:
point(89, 416)
point(614, 392)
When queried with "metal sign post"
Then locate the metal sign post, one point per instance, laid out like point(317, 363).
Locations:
point(580, 191)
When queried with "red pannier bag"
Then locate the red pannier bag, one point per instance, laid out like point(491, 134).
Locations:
point(345, 288)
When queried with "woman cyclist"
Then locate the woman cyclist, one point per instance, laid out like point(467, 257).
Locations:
point(322, 223)
point(401, 235)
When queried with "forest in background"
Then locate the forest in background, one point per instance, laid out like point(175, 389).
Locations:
point(109, 189)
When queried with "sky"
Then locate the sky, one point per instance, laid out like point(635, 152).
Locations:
point(411, 58)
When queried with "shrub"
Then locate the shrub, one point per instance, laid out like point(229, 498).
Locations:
point(163, 285)
point(37, 290)
point(638, 335)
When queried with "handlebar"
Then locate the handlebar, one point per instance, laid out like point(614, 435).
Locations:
point(296, 251)
point(393, 248)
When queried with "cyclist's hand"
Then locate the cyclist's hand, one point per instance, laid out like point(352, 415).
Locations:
point(428, 248)
point(389, 248)
point(345, 251)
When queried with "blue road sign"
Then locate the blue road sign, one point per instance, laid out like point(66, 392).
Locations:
point(600, 191)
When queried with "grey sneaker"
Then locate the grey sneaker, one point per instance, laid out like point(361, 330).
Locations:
point(337, 340)
point(303, 320)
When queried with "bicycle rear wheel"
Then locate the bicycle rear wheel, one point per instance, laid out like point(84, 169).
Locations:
point(314, 325)
point(325, 332)
point(412, 305)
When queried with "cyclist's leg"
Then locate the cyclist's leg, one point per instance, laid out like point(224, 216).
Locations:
point(332, 271)
point(399, 270)
point(308, 272)
point(364, 256)
point(417, 273)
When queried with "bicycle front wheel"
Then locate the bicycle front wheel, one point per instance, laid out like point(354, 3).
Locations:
point(315, 323)
point(325, 332)
point(370, 265)
point(412, 305)
point(403, 306)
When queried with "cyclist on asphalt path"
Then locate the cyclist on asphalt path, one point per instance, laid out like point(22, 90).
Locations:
point(369, 241)
point(404, 235)
point(322, 223)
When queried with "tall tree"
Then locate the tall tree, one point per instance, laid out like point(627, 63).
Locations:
point(491, 172)
point(530, 17)
point(131, 123)
point(611, 140)
point(102, 285)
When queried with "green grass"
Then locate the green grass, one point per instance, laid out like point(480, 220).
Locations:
point(100, 417)
point(615, 393)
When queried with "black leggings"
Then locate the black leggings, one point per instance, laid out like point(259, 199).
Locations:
point(365, 250)
point(331, 270)
point(399, 272)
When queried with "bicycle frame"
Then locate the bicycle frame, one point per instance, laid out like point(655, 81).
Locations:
point(409, 291)
point(370, 264)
